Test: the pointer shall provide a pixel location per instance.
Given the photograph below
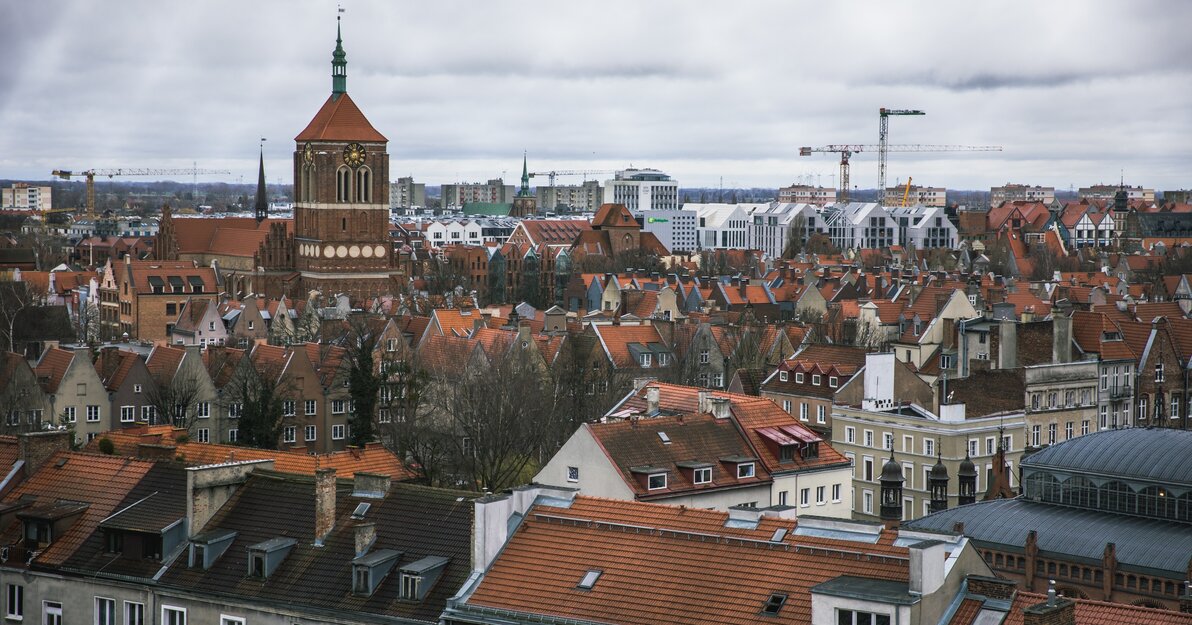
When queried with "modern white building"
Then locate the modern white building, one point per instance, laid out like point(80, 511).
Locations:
point(807, 194)
point(642, 189)
point(1020, 193)
point(675, 229)
point(454, 232)
point(861, 225)
point(770, 225)
point(722, 226)
point(22, 195)
point(925, 227)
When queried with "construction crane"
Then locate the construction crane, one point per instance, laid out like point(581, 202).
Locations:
point(847, 150)
point(906, 192)
point(883, 132)
point(90, 175)
point(551, 175)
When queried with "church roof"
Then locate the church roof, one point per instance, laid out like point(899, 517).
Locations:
point(340, 120)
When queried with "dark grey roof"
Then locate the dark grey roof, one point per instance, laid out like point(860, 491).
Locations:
point(885, 591)
point(1158, 454)
point(1075, 532)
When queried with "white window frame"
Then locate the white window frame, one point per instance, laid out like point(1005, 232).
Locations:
point(821, 414)
point(224, 619)
point(337, 432)
point(133, 615)
point(51, 608)
point(203, 409)
point(746, 470)
point(836, 493)
point(234, 435)
point(650, 481)
point(9, 591)
point(176, 610)
point(702, 475)
point(98, 413)
point(338, 406)
point(289, 434)
point(572, 474)
point(820, 495)
point(783, 376)
point(203, 435)
point(850, 434)
point(311, 407)
point(798, 377)
point(128, 414)
point(311, 433)
point(804, 497)
point(109, 603)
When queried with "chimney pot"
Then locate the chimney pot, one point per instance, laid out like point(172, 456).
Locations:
point(366, 535)
point(324, 504)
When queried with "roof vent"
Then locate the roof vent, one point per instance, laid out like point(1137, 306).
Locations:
point(665, 439)
point(361, 510)
point(589, 579)
point(61, 462)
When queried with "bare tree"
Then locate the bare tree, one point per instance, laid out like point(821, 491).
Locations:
point(87, 323)
point(406, 428)
point(258, 395)
point(15, 297)
point(175, 403)
point(796, 237)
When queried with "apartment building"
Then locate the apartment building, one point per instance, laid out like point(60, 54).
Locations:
point(495, 191)
point(925, 227)
point(585, 197)
point(807, 194)
point(22, 195)
point(1020, 193)
point(1061, 401)
point(915, 194)
point(642, 190)
point(861, 225)
point(770, 225)
point(405, 193)
point(722, 226)
point(1106, 193)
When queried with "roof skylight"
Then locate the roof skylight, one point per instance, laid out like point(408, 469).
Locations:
point(589, 579)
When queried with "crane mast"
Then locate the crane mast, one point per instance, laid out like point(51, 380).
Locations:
point(883, 133)
point(90, 175)
point(847, 150)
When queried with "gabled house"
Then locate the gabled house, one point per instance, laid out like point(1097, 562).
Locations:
point(185, 388)
point(129, 384)
point(244, 321)
point(634, 348)
point(77, 397)
point(24, 404)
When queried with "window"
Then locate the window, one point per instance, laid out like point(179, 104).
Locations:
point(972, 447)
point(703, 475)
point(572, 474)
point(1050, 433)
point(856, 617)
point(203, 435)
point(782, 498)
point(128, 414)
point(869, 438)
point(338, 406)
point(1084, 427)
point(989, 445)
point(815, 380)
point(92, 413)
point(833, 382)
point(645, 360)
point(850, 434)
point(14, 606)
point(224, 619)
point(289, 434)
point(836, 492)
point(204, 409)
point(799, 378)
point(657, 481)
point(147, 413)
point(173, 616)
point(718, 380)
point(786, 406)
point(136, 388)
point(774, 604)
point(287, 408)
point(235, 409)
point(310, 406)
point(337, 432)
point(51, 613)
point(867, 469)
point(68, 414)
point(803, 411)
point(804, 497)
point(703, 360)
point(1068, 429)
point(929, 447)
point(784, 376)
point(311, 430)
point(1036, 430)
point(867, 501)
point(233, 435)
point(819, 495)
point(744, 470)
point(1158, 372)
point(134, 613)
point(105, 611)
point(887, 441)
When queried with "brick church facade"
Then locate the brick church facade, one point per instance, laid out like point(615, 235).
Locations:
point(338, 241)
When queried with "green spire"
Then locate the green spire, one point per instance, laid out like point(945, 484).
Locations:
point(339, 64)
point(525, 185)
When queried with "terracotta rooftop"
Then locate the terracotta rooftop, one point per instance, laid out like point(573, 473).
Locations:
point(340, 119)
point(52, 367)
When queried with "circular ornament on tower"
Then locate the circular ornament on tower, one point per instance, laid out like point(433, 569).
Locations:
point(354, 154)
point(354, 251)
point(379, 251)
point(366, 251)
point(329, 251)
point(341, 251)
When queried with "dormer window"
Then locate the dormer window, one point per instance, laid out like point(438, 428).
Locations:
point(645, 360)
point(702, 475)
point(799, 378)
point(815, 380)
point(265, 557)
point(657, 481)
point(833, 381)
point(417, 578)
point(786, 453)
point(370, 569)
point(783, 376)
point(745, 470)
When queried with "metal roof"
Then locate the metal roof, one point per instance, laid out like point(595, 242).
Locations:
point(1075, 532)
point(1154, 454)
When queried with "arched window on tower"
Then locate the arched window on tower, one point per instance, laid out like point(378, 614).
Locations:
point(308, 183)
point(363, 185)
point(343, 183)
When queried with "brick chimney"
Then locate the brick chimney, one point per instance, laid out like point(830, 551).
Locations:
point(366, 535)
point(38, 447)
point(373, 485)
point(653, 396)
point(156, 451)
point(1054, 611)
point(324, 504)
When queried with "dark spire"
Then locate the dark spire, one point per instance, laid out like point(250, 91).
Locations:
point(339, 64)
point(525, 180)
point(891, 504)
point(262, 206)
point(967, 476)
point(938, 483)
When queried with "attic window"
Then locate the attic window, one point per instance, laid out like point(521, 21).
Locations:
point(665, 439)
point(657, 481)
point(784, 376)
point(589, 579)
point(833, 382)
point(361, 510)
point(799, 378)
point(815, 380)
point(774, 604)
point(744, 470)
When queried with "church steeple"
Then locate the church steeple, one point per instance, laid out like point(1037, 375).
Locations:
point(339, 64)
point(524, 191)
point(262, 205)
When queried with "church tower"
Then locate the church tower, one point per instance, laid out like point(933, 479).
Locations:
point(524, 203)
point(341, 192)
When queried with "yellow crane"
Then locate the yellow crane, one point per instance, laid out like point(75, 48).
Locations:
point(90, 175)
point(907, 192)
point(847, 150)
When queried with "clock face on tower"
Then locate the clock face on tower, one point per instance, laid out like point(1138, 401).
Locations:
point(354, 154)
point(308, 153)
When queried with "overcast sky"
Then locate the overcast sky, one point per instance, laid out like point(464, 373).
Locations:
point(1074, 91)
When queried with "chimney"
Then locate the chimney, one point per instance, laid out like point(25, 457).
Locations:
point(1054, 611)
point(927, 566)
point(705, 401)
point(324, 504)
point(640, 383)
point(721, 407)
point(372, 485)
point(1007, 344)
point(38, 447)
point(653, 395)
point(156, 451)
point(209, 487)
point(1061, 338)
point(366, 535)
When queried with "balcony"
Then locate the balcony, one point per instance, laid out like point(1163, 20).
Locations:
point(1120, 392)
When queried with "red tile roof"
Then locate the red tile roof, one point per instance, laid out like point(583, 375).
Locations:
point(1089, 612)
point(616, 340)
point(52, 367)
point(340, 120)
point(113, 366)
point(668, 568)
